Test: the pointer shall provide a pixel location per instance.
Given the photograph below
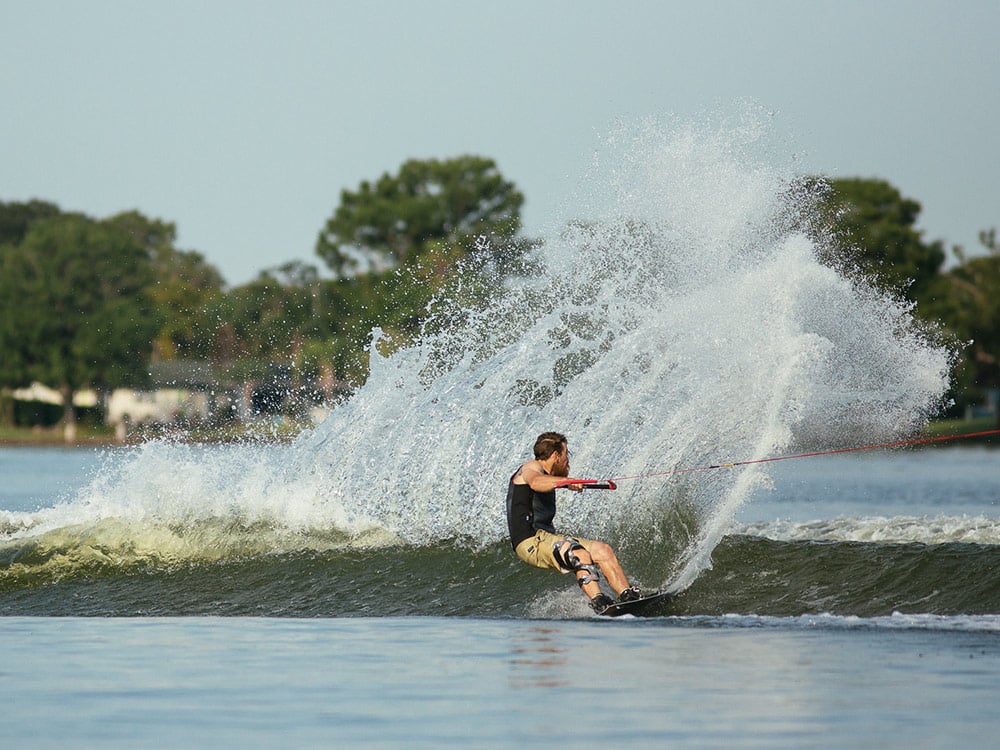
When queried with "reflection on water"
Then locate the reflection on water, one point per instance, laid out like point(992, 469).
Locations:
point(539, 661)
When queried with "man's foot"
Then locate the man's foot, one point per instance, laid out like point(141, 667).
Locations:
point(630, 594)
point(601, 602)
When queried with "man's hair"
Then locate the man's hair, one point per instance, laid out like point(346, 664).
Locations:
point(549, 443)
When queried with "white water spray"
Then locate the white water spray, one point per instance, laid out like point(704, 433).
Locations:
point(685, 321)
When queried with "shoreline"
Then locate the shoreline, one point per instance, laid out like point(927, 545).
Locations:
point(268, 433)
point(53, 438)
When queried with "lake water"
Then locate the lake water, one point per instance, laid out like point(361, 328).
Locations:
point(515, 659)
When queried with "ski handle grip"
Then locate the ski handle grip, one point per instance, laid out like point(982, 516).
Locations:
point(590, 484)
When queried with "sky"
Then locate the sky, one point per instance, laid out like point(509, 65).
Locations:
point(241, 121)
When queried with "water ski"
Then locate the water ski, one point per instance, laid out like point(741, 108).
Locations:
point(650, 605)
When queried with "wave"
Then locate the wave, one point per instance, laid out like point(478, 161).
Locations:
point(939, 529)
point(752, 575)
point(228, 569)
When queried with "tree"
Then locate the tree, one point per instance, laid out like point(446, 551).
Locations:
point(16, 218)
point(875, 226)
point(395, 244)
point(284, 335)
point(74, 308)
point(253, 327)
point(430, 203)
point(185, 284)
point(965, 299)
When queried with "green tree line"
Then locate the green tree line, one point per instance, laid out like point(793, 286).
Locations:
point(91, 302)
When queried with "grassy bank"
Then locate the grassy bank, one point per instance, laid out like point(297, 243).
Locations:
point(288, 430)
point(100, 436)
point(85, 435)
point(946, 428)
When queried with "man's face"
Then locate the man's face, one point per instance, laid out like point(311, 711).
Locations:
point(561, 466)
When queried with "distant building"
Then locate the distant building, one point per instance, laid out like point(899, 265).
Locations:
point(43, 394)
point(179, 392)
point(159, 406)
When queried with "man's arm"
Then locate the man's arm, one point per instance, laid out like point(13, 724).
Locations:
point(539, 481)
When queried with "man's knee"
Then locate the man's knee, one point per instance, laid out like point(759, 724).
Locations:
point(573, 556)
point(601, 552)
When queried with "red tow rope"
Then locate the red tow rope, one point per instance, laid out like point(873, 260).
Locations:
point(897, 444)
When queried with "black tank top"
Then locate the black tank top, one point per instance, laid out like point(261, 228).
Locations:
point(528, 511)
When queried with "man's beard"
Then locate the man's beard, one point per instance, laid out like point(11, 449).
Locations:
point(561, 467)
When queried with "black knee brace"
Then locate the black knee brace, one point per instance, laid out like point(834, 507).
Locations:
point(570, 561)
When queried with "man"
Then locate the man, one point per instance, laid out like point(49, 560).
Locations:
point(531, 508)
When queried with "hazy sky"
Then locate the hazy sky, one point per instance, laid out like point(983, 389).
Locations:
point(241, 121)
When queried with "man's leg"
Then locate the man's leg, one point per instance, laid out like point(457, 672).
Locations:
point(605, 557)
point(585, 558)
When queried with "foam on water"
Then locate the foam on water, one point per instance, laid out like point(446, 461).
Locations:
point(684, 320)
point(940, 529)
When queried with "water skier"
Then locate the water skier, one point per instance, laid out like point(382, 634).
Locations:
point(531, 508)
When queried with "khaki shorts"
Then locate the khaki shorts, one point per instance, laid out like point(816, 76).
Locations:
point(537, 550)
